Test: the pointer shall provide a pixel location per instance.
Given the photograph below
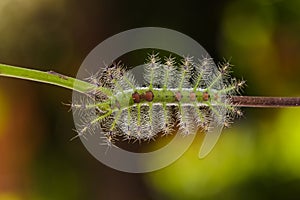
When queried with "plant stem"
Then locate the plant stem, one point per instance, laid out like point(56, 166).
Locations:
point(49, 77)
point(270, 102)
point(54, 78)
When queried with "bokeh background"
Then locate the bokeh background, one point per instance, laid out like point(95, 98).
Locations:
point(258, 157)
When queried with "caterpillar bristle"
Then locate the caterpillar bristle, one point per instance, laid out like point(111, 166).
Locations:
point(77, 135)
point(197, 91)
point(152, 70)
point(186, 123)
point(168, 73)
point(108, 140)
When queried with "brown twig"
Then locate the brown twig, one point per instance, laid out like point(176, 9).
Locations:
point(271, 102)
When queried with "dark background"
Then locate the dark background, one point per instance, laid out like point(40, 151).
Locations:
point(257, 158)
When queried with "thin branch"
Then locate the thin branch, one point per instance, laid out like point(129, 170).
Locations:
point(54, 78)
point(271, 102)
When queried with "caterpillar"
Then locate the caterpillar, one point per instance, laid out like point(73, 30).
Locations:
point(188, 95)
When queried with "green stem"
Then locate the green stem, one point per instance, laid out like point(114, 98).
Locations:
point(49, 77)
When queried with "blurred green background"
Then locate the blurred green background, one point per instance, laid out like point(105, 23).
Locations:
point(257, 158)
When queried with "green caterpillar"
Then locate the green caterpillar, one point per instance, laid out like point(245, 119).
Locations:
point(190, 94)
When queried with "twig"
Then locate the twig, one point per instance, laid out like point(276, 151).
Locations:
point(271, 102)
point(55, 78)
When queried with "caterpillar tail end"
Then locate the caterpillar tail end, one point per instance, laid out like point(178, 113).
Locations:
point(210, 140)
